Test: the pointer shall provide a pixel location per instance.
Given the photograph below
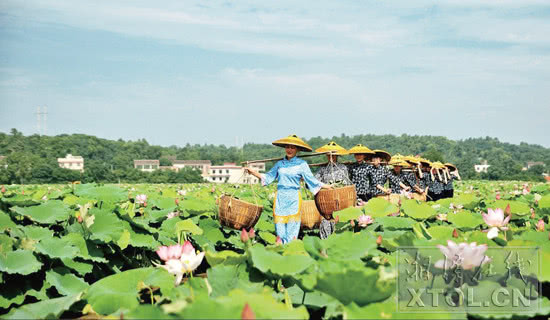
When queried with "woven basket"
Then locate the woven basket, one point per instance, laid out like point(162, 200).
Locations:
point(419, 197)
point(329, 201)
point(238, 214)
point(311, 218)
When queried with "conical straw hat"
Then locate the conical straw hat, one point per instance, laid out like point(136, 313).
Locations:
point(292, 140)
point(358, 149)
point(412, 159)
point(425, 161)
point(450, 165)
point(438, 165)
point(333, 146)
point(398, 162)
point(382, 154)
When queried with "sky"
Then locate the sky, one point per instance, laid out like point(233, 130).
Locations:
point(219, 72)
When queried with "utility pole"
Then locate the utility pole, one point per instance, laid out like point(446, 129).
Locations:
point(41, 120)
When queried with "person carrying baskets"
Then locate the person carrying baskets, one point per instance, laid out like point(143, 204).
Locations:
point(358, 170)
point(288, 172)
point(437, 181)
point(332, 173)
point(452, 173)
point(378, 174)
point(397, 177)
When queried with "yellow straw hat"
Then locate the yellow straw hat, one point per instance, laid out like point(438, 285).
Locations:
point(399, 162)
point(398, 157)
point(358, 149)
point(438, 165)
point(292, 140)
point(425, 161)
point(450, 165)
point(382, 154)
point(412, 159)
point(333, 146)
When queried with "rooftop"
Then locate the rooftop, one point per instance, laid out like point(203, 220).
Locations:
point(146, 161)
point(192, 162)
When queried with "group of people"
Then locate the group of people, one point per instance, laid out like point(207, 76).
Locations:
point(410, 176)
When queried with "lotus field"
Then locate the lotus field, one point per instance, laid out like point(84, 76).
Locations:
point(158, 251)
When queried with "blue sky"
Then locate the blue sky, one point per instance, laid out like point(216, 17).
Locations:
point(177, 72)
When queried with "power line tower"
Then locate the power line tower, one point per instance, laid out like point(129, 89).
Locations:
point(41, 120)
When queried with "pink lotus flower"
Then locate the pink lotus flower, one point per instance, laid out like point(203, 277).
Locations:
point(498, 196)
point(526, 190)
point(170, 252)
point(244, 235)
point(540, 225)
point(247, 313)
point(467, 256)
point(141, 198)
point(172, 215)
point(364, 220)
point(180, 259)
point(495, 219)
point(182, 192)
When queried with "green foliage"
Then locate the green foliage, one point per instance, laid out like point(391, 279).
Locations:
point(55, 265)
point(32, 159)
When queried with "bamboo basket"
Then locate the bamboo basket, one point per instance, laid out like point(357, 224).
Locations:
point(238, 214)
point(329, 201)
point(311, 218)
point(419, 197)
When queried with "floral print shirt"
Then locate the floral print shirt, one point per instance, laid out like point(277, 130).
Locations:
point(436, 185)
point(377, 176)
point(395, 180)
point(449, 184)
point(332, 173)
point(358, 173)
point(409, 178)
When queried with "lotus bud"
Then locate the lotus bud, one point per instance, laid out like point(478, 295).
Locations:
point(455, 233)
point(244, 236)
point(508, 210)
point(177, 201)
point(247, 313)
point(22, 191)
point(79, 218)
point(352, 222)
point(279, 241)
point(498, 196)
point(251, 234)
point(145, 204)
point(540, 225)
point(3, 189)
point(379, 240)
point(532, 213)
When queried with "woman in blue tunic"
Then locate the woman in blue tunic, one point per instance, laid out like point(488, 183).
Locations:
point(288, 172)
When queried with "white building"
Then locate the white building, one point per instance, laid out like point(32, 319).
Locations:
point(232, 173)
point(71, 162)
point(146, 165)
point(202, 165)
point(481, 167)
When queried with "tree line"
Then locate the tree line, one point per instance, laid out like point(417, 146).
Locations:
point(33, 158)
